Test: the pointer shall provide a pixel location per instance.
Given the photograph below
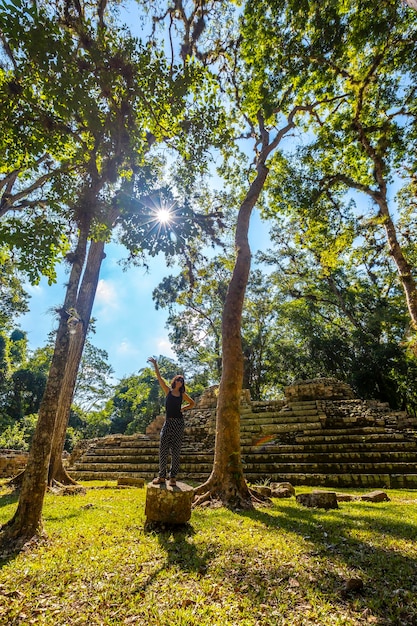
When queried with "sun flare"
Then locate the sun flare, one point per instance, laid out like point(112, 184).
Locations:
point(163, 216)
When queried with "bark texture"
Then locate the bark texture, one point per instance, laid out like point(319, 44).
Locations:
point(27, 521)
point(44, 462)
point(227, 482)
point(84, 306)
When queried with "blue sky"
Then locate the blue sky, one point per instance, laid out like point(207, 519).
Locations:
point(127, 325)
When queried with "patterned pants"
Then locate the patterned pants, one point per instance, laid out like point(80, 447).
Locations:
point(172, 434)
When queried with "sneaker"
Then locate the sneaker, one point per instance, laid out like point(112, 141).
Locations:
point(158, 480)
point(172, 482)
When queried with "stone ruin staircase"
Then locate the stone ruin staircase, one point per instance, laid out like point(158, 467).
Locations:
point(301, 445)
point(329, 442)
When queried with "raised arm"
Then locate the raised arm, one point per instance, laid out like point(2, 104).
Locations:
point(158, 374)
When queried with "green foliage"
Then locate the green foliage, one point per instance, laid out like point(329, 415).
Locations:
point(89, 425)
point(4, 361)
point(24, 384)
point(84, 101)
point(38, 245)
point(18, 435)
point(194, 319)
point(18, 348)
point(24, 380)
point(344, 318)
point(143, 230)
point(13, 298)
point(93, 384)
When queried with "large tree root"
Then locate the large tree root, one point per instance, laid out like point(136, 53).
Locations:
point(11, 545)
point(62, 477)
point(59, 489)
point(15, 483)
point(15, 538)
point(215, 493)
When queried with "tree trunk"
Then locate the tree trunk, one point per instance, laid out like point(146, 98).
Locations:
point(404, 268)
point(27, 521)
point(380, 197)
point(227, 481)
point(83, 306)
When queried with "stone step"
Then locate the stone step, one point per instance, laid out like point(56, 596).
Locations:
point(266, 407)
point(119, 458)
point(120, 466)
point(110, 475)
point(285, 427)
point(300, 406)
point(147, 476)
point(113, 441)
point(266, 461)
point(332, 468)
point(279, 419)
point(125, 451)
point(93, 465)
point(354, 434)
point(122, 450)
point(352, 480)
point(271, 415)
point(267, 466)
point(387, 481)
point(345, 456)
point(103, 457)
point(351, 446)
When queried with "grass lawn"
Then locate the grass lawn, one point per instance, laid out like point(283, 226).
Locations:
point(279, 565)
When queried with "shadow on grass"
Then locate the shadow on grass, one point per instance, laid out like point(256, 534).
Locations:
point(180, 551)
point(9, 498)
point(334, 537)
point(301, 520)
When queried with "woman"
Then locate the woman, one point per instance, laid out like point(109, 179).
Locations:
point(173, 429)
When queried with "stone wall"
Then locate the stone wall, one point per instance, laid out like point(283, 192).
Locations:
point(345, 413)
point(318, 389)
point(12, 462)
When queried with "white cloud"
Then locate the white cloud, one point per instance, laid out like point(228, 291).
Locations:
point(106, 294)
point(165, 348)
point(125, 348)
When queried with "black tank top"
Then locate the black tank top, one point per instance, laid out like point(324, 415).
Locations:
point(173, 406)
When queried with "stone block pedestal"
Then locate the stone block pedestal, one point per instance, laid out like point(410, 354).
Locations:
point(168, 505)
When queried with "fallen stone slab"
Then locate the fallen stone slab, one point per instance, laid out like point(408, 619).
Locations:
point(281, 492)
point(262, 490)
point(375, 496)
point(287, 486)
point(168, 505)
point(346, 497)
point(318, 499)
point(131, 482)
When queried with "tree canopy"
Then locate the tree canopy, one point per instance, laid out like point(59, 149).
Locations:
point(306, 110)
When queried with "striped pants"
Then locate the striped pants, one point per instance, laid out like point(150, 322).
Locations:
point(172, 434)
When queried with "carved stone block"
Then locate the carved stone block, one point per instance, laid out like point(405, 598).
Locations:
point(168, 505)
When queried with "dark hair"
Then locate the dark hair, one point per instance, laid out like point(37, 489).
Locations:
point(178, 377)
